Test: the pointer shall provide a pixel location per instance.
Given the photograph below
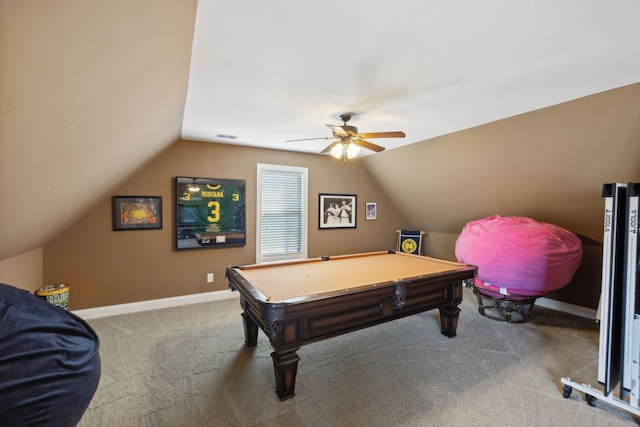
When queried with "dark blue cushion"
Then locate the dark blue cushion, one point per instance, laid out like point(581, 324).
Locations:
point(49, 362)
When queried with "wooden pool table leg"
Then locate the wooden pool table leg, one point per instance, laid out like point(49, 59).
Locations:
point(285, 365)
point(449, 320)
point(250, 330)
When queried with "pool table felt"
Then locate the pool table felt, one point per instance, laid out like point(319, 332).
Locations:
point(280, 282)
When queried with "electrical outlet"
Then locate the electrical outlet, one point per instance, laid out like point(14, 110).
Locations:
point(210, 277)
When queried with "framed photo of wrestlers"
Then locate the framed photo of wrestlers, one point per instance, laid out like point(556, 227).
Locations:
point(137, 213)
point(337, 211)
point(210, 213)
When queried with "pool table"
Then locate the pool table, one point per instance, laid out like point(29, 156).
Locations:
point(300, 302)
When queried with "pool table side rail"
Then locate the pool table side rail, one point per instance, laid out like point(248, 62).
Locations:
point(341, 314)
point(237, 281)
point(299, 322)
point(237, 277)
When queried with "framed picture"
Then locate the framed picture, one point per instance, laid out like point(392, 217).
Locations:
point(210, 213)
point(371, 210)
point(337, 211)
point(137, 213)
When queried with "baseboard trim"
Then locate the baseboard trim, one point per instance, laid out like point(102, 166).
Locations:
point(566, 307)
point(134, 307)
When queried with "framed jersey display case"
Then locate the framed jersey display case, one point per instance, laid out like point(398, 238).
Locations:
point(210, 213)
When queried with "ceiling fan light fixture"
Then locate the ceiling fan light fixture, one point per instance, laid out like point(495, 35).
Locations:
point(352, 150)
point(345, 150)
point(337, 151)
point(348, 141)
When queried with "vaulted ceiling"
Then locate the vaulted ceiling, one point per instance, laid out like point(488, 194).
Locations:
point(91, 91)
point(267, 72)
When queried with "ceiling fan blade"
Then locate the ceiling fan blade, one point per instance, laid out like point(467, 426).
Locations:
point(329, 147)
point(307, 139)
point(368, 145)
point(393, 134)
point(338, 130)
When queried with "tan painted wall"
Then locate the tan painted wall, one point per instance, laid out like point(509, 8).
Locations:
point(89, 91)
point(104, 267)
point(549, 165)
point(23, 271)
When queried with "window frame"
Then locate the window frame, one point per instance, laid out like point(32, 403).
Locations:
point(304, 205)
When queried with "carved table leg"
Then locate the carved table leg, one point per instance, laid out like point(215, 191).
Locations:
point(285, 366)
point(250, 330)
point(449, 320)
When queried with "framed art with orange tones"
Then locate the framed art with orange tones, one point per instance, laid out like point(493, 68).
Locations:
point(137, 213)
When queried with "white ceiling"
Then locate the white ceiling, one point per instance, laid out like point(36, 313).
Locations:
point(267, 72)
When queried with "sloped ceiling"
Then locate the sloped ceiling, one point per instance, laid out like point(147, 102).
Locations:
point(91, 91)
point(267, 72)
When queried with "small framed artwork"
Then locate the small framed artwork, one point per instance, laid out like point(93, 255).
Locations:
point(137, 213)
point(337, 211)
point(371, 211)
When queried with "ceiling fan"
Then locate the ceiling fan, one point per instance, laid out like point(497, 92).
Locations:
point(348, 140)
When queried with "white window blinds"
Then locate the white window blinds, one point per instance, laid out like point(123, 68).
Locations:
point(281, 213)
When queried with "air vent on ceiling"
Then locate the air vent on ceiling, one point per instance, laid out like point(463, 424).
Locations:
point(221, 135)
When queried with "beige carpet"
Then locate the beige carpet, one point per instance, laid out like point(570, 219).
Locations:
point(188, 366)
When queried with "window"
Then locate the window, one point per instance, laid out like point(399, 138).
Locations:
point(281, 213)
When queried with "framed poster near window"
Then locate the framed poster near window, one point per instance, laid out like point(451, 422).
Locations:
point(337, 211)
point(137, 213)
point(210, 213)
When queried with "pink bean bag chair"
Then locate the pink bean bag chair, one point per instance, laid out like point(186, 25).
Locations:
point(519, 256)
